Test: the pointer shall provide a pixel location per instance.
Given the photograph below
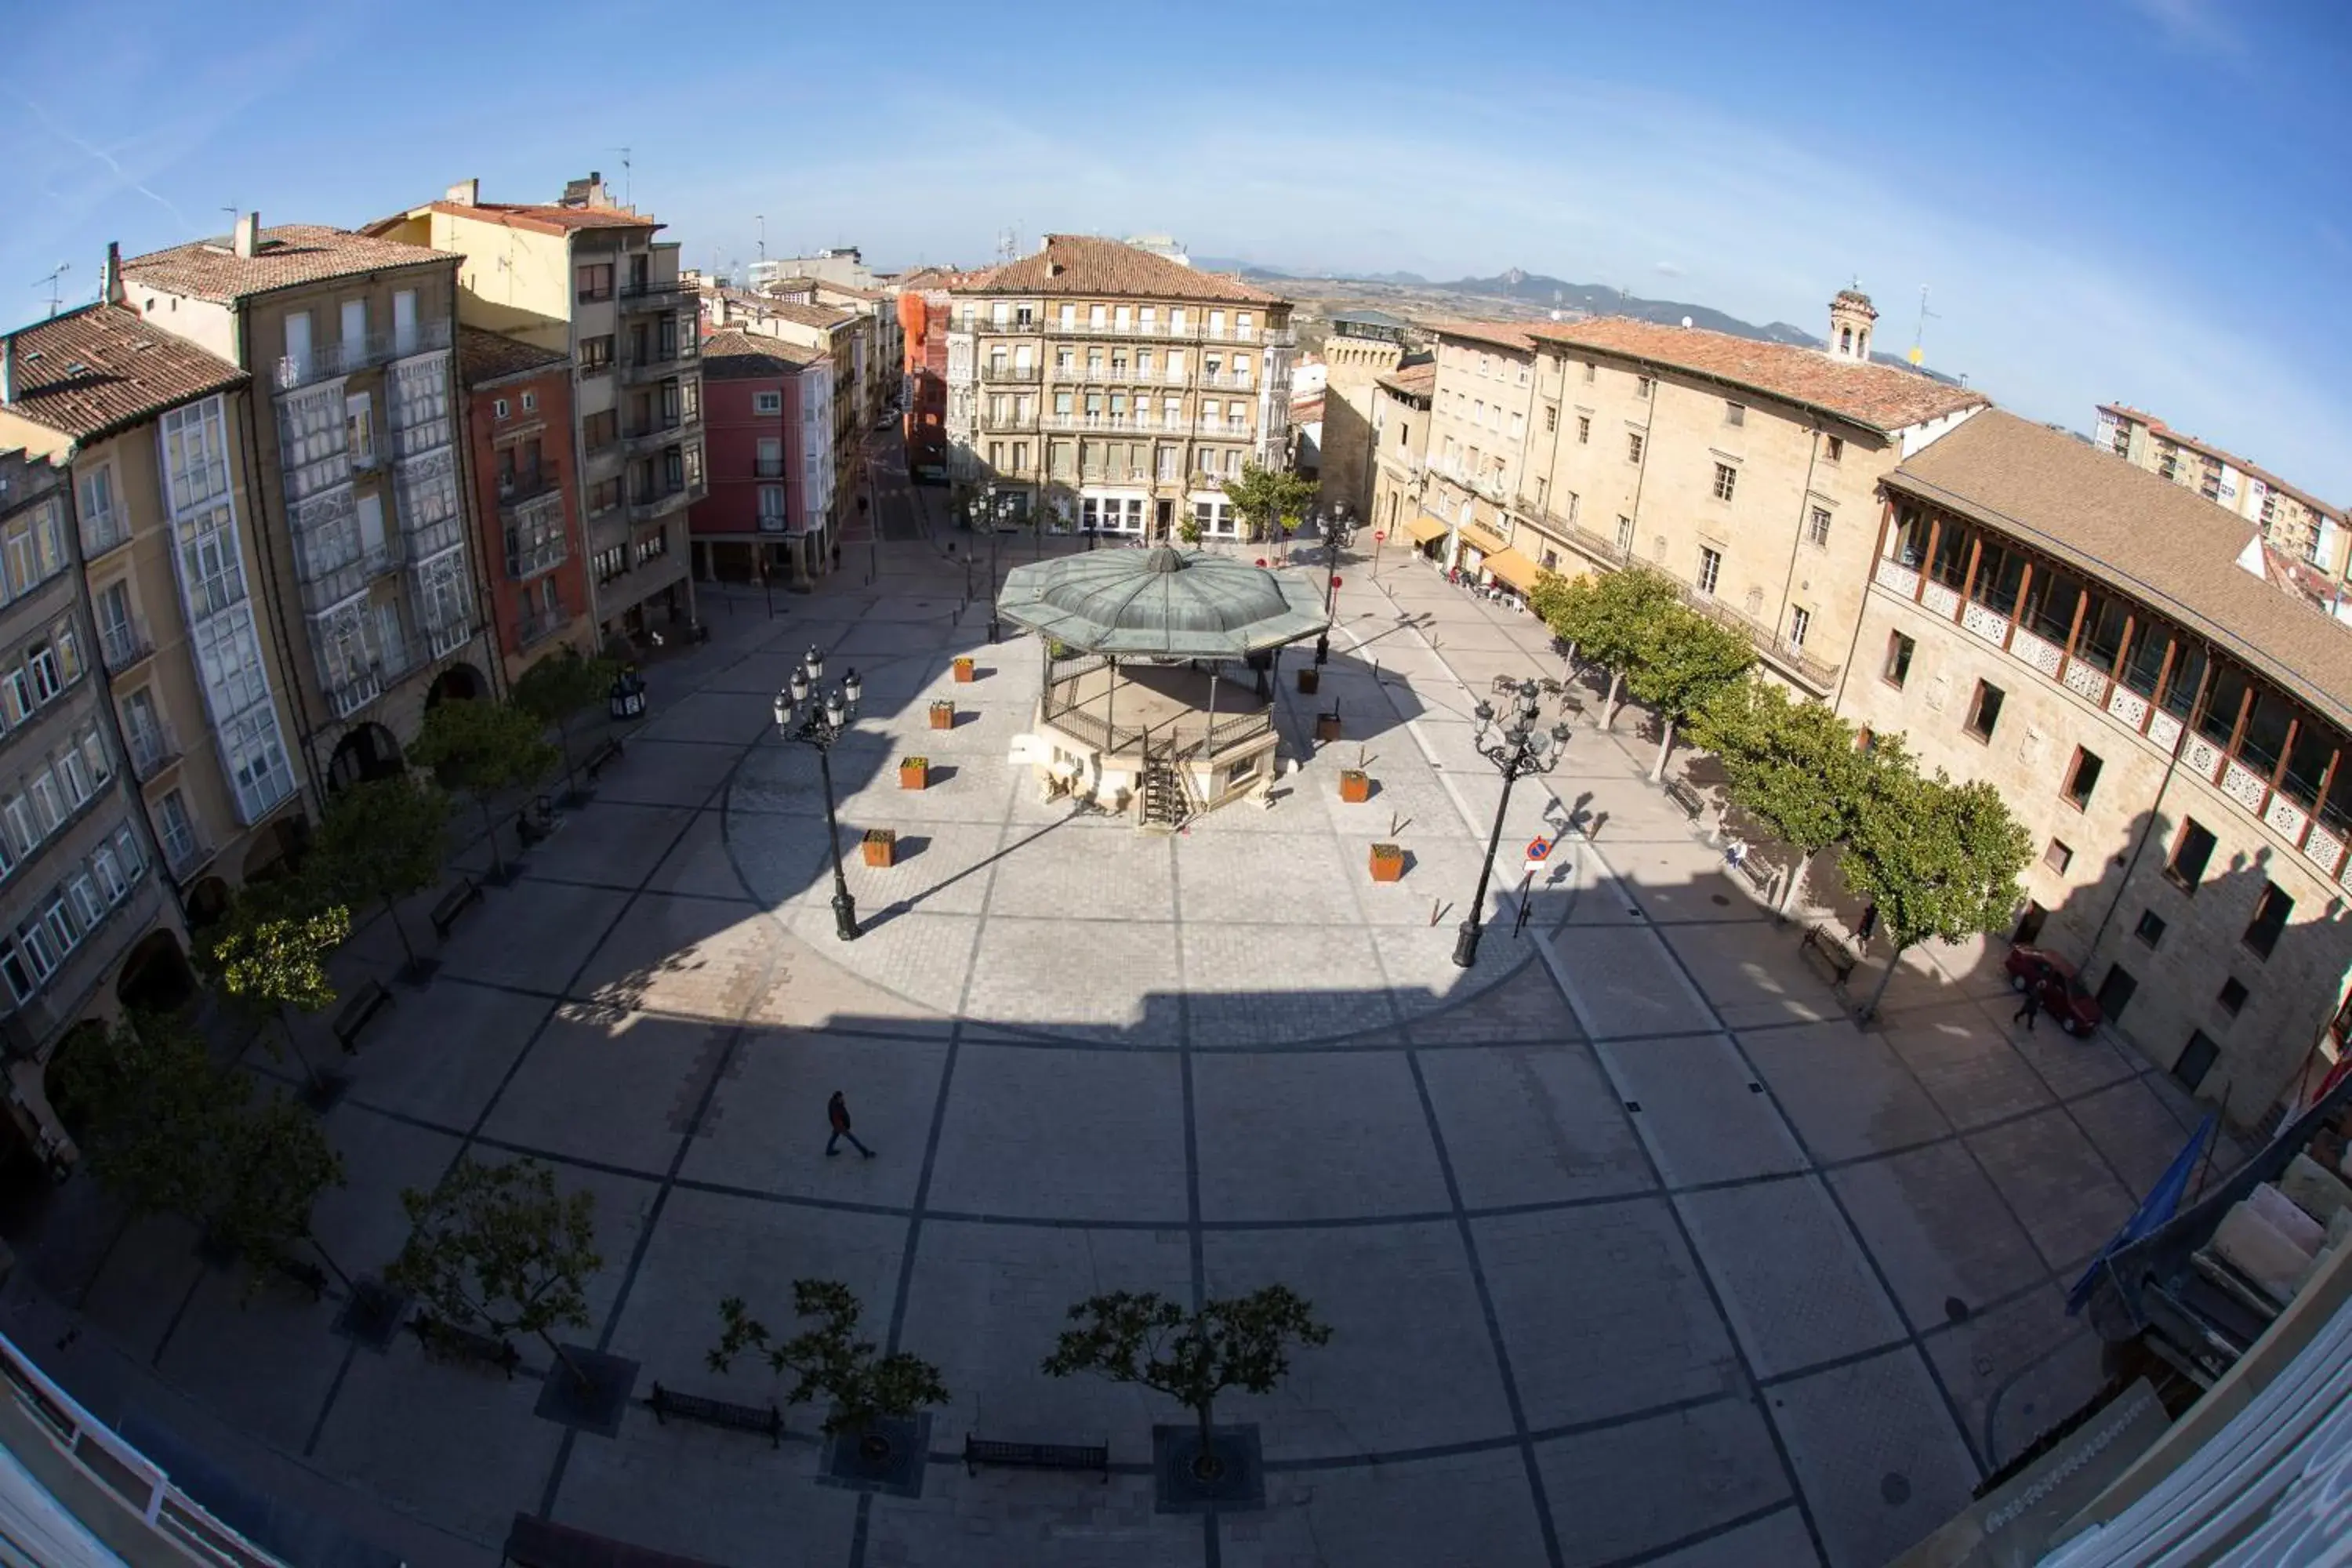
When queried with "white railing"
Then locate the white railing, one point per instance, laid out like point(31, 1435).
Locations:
point(324, 362)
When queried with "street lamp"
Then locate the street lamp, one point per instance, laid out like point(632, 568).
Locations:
point(819, 719)
point(1332, 534)
point(1519, 750)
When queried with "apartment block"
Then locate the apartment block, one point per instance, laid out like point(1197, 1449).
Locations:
point(2171, 728)
point(2295, 522)
point(157, 434)
point(367, 553)
point(1480, 413)
point(585, 277)
point(1361, 347)
point(79, 901)
point(1100, 386)
point(527, 496)
point(923, 300)
point(844, 339)
point(770, 418)
point(1402, 401)
point(882, 350)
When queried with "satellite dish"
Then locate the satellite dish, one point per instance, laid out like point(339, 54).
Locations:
point(1685, 322)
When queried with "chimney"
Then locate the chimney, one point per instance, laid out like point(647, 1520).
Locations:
point(7, 368)
point(465, 193)
point(248, 234)
point(110, 277)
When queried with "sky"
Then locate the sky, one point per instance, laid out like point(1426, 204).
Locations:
point(2134, 200)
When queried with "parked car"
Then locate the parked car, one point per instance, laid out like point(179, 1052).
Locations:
point(2053, 980)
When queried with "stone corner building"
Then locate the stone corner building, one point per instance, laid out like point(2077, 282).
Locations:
point(1100, 386)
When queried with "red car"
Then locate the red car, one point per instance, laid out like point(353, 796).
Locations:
point(2053, 980)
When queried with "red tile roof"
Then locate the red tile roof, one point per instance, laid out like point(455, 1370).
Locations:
point(1875, 396)
point(1513, 335)
point(735, 357)
point(757, 305)
point(544, 217)
point(92, 372)
point(1084, 265)
point(1412, 380)
point(291, 254)
point(485, 357)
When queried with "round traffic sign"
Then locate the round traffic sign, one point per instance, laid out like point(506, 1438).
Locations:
point(1379, 536)
point(1539, 848)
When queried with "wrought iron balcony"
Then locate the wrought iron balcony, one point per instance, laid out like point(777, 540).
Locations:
point(654, 294)
point(767, 467)
point(153, 747)
point(655, 436)
point(655, 367)
point(123, 643)
point(524, 486)
point(1010, 372)
point(324, 362)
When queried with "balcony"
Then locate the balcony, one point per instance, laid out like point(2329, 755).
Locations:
point(655, 367)
point(522, 487)
point(103, 532)
point(328, 586)
point(327, 361)
point(1010, 374)
point(122, 645)
point(767, 467)
point(658, 501)
point(1215, 430)
point(152, 747)
point(653, 437)
point(654, 294)
point(1224, 380)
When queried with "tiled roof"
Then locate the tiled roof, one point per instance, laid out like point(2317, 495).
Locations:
point(543, 218)
point(90, 372)
point(290, 254)
point(1412, 380)
point(1513, 335)
point(1307, 410)
point(2146, 535)
point(1877, 396)
point(493, 357)
point(852, 289)
point(1083, 265)
point(789, 310)
point(735, 357)
point(2197, 444)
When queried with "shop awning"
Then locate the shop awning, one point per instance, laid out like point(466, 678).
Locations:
point(1481, 540)
point(1425, 529)
point(1512, 568)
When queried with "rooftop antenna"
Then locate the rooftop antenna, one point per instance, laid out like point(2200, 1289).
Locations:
point(628, 182)
point(234, 214)
point(1918, 355)
point(57, 297)
point(762, 219)
point(1008, 246)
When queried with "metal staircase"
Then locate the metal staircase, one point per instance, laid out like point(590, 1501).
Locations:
point(1167, 803)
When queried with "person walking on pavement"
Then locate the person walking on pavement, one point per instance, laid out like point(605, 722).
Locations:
point(2027, 1009)
point(836, 1110)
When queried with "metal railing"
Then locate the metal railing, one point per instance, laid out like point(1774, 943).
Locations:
point(324, 362)
point(654, 436)
point(326, 586)
point(103, 531)
point(654, 502)
point(655, 367)
point(767, 467)
point(121, 644)
point(184, 853)
point(1010, 372)
point(153, 747)
point(654, 293)
point(1183, 738)
point(524, 486)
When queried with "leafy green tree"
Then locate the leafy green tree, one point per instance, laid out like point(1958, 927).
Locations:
point(557, 689)
point(499, 1247)
point(152, 1105)
point(1607, 617)
point(1792, 765)
point(1685, 660)
point(273, 964)
point(271, 1165)
point(483, 748)
point(1941, 860)
point(1191, 1356)
point(382, 840)
point(1274, 501)
point(862, 1384)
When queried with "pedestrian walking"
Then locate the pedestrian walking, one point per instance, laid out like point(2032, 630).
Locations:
point(836, 1110)
point(2027, 1009)
point(1867, 924)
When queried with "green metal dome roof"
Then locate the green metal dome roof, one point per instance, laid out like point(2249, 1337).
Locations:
point(1162, 603)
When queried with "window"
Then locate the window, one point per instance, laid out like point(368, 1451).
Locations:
point(597, 280)
point(1641, 387)
point(359, 424)
point(498, 409)
point(1634, 445)
point(1624, 534)
point(2232, 996)
point(1984, 710)
point(530, 401)
point(2191, 852)
point(1584, 429)
point(101, 529)
point(2081, 778)
point(596, 354)
point(1551, 420)
point(1800, 621)
point(2058, 857)
point(1710, 568)
point(1735, 414)
point(2151, 928)
point(1727, 480)
point(604, 496)
point(767, 403)
point(599, 431)
point(1835, 450)
point(1817, 527)
point(2196, 1060)
point(2271, 911)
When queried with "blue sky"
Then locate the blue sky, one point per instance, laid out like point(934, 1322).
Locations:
point(2134, 199)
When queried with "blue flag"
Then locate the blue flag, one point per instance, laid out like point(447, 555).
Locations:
point(2162, 1202)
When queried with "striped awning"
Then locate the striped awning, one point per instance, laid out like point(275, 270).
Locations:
point(1425, 529)
point(1481, 539)
point(1512, 568)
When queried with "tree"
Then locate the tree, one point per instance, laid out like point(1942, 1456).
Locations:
point(1607, 617)
point(499, 1246)
point(272, 1162)
point(383, 839)
point(556, 689)
point(152, 1104)
point(864, 1384)
point(1274, 499)
point(274, 965)
point(1192, 1357)
point(1940, 859)
point(1792, 765)
point(483, 748)
point(1685, 660)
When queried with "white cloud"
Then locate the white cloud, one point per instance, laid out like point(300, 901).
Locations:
point(1668, 269)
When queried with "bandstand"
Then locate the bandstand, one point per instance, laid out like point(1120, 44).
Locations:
point(1156, 700)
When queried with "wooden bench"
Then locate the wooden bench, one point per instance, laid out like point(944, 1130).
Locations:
point(1682, 794)
point(608, 751)
point(363, 1003)
point(979, 1451)
point(455, 903)
point(536, 1544)
point(1832, 957)
point(666, 1403)
point(447, 1342)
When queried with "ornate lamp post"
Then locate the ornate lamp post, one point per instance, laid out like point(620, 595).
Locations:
point(818, 719)
point(1519, 750)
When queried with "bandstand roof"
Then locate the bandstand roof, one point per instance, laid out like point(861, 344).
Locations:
point(1162, 603)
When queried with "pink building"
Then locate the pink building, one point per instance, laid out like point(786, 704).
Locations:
point(767, 415)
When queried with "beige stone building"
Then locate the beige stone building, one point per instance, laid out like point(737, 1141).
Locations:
point(1482, 411)
point(2171, 728)
point(1746, 471)
point(584, 277)
point(2295, 521)
point(1362, 347)
point(1401, 404)
point(361, 503)
point(1098, 386)
point(170, 528)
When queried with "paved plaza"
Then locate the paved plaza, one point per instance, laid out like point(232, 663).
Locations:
point(1635, 1248)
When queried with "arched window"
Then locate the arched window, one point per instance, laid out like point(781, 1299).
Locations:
point(1845, 341)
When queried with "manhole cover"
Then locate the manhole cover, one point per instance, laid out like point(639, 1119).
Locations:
point(1719, 899)
point(1895, 1488)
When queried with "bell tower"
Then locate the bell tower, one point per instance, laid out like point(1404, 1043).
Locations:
point(1850, 315)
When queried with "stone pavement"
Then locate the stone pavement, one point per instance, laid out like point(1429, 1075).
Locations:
point(1635, 1248)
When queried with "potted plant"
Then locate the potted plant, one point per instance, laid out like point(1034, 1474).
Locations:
point(1355, 785)
point(964, 673)
point(881, 846)
point(1327, 725)
point(1310, 680)
point(943, 715)
point(914, 772)
point(1388, 862)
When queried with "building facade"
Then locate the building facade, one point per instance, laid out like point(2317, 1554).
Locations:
point(769, 512)
point(527, 496)
point(1098, 386)
point(2295, 521)
point(585, 277)
point(2171, 728)
point(1479, 414)
point(843, 339)
point(1361, 347)
point(368, 555)
point(1402, 404)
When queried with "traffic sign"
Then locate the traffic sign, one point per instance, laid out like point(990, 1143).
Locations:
point(1379, 536)
point(1539, 848)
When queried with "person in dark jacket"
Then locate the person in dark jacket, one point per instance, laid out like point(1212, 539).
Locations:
point(836, 1110)
point(2027, 1009)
